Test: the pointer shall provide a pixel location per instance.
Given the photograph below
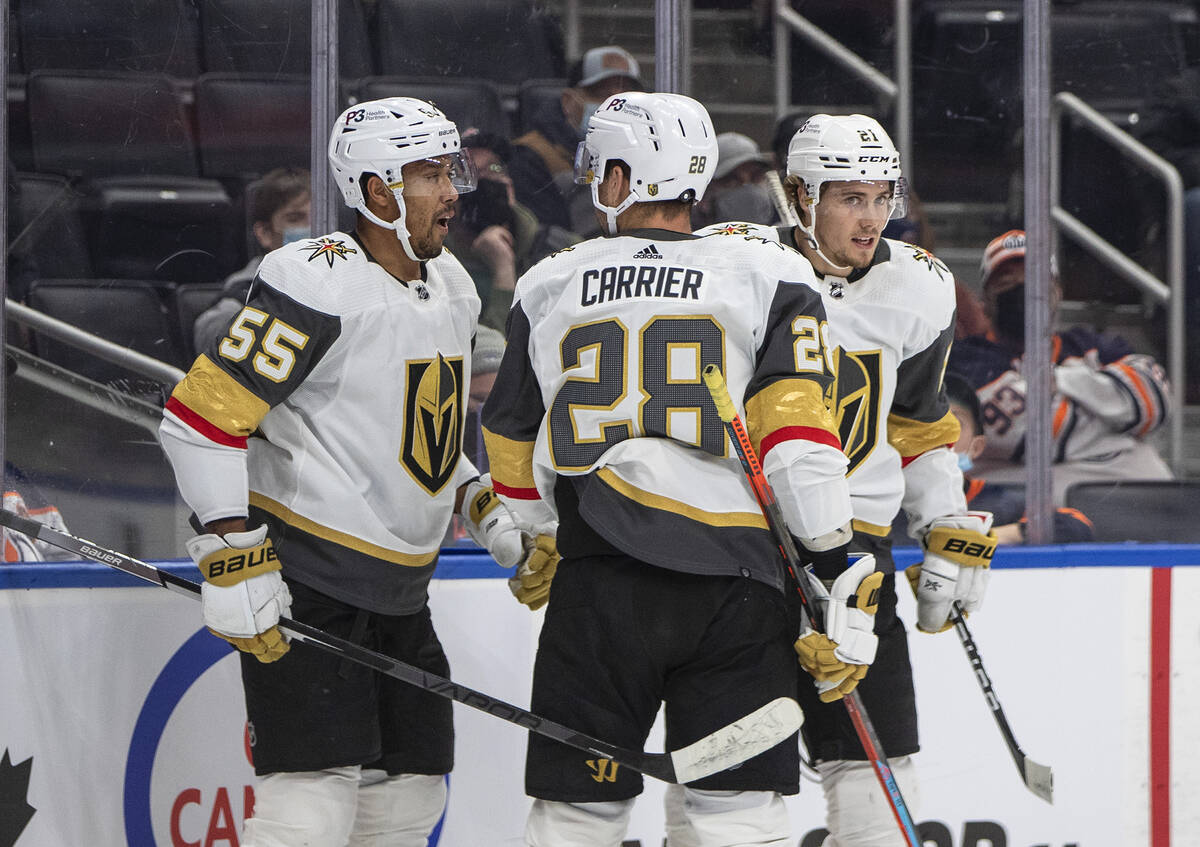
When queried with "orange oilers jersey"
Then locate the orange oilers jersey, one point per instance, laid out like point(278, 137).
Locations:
point(334, 402)
point(600, 405)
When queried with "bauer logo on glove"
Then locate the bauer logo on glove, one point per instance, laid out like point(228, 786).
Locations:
point(228, 569)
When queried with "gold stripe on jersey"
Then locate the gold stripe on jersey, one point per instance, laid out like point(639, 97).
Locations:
point(788, 402)
point(412, 560)
point(220, 399)
point(870, 528)
point(912, 438)
point(511, 461)
point(667, 504)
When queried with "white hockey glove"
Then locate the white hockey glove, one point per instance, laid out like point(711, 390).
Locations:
point(243, 594)
point(958, 556)
point(491, 524)
point(531, 549)
point(839, 657)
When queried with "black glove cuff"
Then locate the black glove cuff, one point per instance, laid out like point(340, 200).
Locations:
point(827, 564)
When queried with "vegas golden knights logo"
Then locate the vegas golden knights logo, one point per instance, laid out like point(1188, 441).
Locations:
point(603, 770)
point(433, 421)
point(856, 404)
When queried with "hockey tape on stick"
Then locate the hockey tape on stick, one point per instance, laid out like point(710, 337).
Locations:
point(799, 577)
point(787, 213)
point(1038, 778)
point(730, 745)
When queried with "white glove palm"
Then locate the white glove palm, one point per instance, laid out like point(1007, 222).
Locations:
point(838, 658)
point(958, 556)
point(243, 595)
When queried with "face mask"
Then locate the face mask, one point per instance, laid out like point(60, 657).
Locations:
point(486, 206)
point(748, 202)
point(965, 463)
point(589, 109)
point(296, 233)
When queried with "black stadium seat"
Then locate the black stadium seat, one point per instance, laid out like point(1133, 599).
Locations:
point(504, 41)
point(467, 102)
point(50, 227)
point(118, 35)
point(533, 96)
point(247, 125)
point(133, 313)
point(275, 37)
point(190, 301)
point(1140, 510)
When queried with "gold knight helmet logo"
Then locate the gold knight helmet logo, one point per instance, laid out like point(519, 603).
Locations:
point(433, 421)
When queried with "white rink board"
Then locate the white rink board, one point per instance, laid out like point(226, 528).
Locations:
point(1067, 650)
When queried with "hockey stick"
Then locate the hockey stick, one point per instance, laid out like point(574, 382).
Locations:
point(730, 745)
point(787, 214)
point(1038, 778)
point(791, 562)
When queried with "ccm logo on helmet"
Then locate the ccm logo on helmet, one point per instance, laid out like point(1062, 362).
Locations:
point(874, 158)
point(969, 548)
point(233, 564)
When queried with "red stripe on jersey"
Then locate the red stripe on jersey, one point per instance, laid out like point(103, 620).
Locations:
point(905, 461)
point(798, 433)
point(202, 426)
point(516, 493)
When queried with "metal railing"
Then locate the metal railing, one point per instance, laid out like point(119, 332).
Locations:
point(1170, 291)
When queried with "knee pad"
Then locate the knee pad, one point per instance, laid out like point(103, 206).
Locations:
point(555, 824)
point(697, 818)
point(312, 807)
point(857, 812)
point(397, 811)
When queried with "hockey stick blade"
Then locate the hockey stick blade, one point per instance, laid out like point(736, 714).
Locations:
point(730, 745)
point(1037, 778)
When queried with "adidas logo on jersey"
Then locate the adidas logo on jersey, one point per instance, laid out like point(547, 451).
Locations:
point(648, 252)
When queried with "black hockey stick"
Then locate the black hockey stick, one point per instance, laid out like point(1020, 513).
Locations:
point(800, 577)
point(730, 745)
point(1038, 778)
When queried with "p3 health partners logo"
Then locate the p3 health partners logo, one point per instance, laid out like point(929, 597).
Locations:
point(189, 780)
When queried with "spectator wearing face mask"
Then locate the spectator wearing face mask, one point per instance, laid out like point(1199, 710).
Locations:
point(494, 236)
point(738, 191)
point(543, 159)
point(1107, 397)
point(280, 212)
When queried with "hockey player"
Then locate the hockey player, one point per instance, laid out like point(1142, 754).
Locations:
point(318, 440)
point(890, 307)
point(669, 587)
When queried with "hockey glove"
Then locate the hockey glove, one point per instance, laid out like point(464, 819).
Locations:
point(490, 523)
point(958, 555)
point(531, 583)
point(839, 657)
point(243, 595)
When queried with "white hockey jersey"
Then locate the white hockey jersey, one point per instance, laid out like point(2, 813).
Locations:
point(600, 405)
point(338, 394)
point(892, 326)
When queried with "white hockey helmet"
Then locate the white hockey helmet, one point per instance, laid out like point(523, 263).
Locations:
point(380, 137)
point(667, 140)
point(845, 148)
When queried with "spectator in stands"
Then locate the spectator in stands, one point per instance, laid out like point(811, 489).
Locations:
point(280, 211)
point(738, 191)
point(543, 159)
point(1107, 397)
point(494, 236)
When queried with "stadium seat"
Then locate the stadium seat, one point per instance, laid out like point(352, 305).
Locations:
point(189, 302)
point(50, 227)
point(467, 102)
point(504, 41)
point(1139, 510)
point(275, 37)
point(132, 313)
point(533, 96)
point(118, 35)
point(247, 125)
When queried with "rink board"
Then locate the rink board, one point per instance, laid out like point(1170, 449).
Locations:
point(124, 723)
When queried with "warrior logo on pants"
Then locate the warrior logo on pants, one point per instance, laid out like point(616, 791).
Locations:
point(433, 421)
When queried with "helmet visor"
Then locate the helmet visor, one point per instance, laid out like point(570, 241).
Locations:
point(585, 168)
point(432, 176)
